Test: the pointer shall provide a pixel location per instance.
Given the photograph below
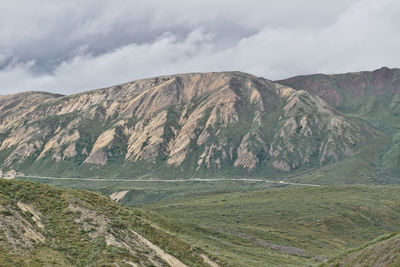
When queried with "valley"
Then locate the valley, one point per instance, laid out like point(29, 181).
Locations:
point(235, 223)
point(213, 133)
point(203, 169)
point(293, 226)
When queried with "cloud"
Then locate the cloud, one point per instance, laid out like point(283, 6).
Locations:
point(166, 55)
point(71, 46)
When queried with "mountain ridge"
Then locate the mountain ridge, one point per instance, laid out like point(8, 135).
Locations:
point(185, 124)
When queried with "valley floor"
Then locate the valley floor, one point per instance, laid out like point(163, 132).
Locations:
point(295, 226)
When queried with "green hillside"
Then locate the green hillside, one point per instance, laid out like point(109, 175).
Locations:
point(383, 251)
point(295, 226)
point(46, 226)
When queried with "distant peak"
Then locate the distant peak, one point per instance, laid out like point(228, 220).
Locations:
point(384, 72)
point(30, 93)
point(384, 68)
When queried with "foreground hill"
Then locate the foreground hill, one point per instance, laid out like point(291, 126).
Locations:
point(223, 123)
point(46, 226)
point(372, 96)
point(384, 251)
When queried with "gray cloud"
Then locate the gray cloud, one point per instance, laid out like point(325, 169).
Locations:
point(71, 46)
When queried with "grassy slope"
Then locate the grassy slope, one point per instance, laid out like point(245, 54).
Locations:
point(66, 243)
point(383, 251)
point(286, 226)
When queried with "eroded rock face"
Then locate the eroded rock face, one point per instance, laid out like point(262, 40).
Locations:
point(310, 128)
point(246, 155)
point(192, 121)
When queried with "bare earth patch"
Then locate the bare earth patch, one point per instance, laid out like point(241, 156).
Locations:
point(118, 196)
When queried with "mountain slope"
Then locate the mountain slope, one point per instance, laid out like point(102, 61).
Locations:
point(45, 226)
point(385, 251)
point(371, 96)
point(15, 107)
point(177, 125)
point(361, 93)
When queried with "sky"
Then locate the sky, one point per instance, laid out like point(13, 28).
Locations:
point(76, 45)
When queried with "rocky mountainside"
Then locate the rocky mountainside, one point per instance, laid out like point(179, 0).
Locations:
point(46, 226)
point(367, 94)
point(372, 96)
point(189, 124)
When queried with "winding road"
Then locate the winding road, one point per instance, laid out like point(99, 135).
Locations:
point(167, 180)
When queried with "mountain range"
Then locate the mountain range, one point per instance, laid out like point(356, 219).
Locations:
point(223, 124)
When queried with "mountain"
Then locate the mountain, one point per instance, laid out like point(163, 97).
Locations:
point(45, 226)
point(384, 251)
point(373, 97)
point(181, 125)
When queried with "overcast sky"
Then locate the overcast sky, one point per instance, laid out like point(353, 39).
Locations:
point(71, 46)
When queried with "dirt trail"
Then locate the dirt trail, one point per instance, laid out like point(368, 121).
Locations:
point(171, 260)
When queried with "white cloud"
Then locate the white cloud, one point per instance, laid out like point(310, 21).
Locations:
point(165, 56)
point(274, 39)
